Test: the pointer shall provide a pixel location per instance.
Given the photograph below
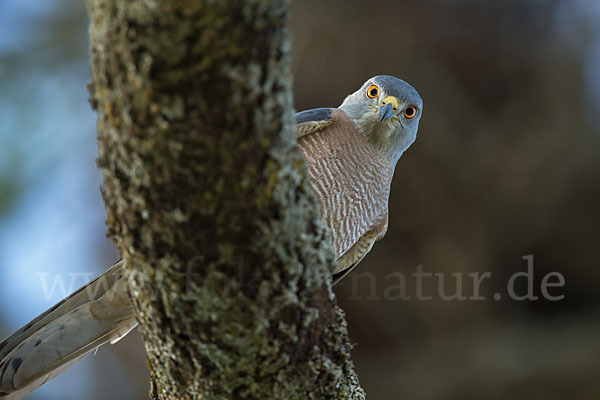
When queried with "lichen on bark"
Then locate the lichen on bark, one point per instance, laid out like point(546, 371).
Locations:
point(209, 203)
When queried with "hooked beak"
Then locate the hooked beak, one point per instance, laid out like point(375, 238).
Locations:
point(388, 108)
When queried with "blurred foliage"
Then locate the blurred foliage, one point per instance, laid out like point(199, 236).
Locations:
point(48, 37)
point(507, 163)
point(8, 194)
point(39, 41)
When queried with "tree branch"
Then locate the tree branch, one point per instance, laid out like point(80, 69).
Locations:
point(209, 203)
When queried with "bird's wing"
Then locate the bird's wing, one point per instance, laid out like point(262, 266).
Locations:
point(314, 120)
point(351, 258)
point(97, 313)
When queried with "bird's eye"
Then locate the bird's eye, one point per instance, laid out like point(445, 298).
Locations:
point(372, 91)
point(410, 112)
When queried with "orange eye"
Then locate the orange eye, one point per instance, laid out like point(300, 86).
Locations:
point(410, 112)
point(372, 91)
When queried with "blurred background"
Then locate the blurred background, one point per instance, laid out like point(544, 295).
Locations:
point(506, 165)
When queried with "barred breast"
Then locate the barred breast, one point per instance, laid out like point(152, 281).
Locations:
point(351, 181)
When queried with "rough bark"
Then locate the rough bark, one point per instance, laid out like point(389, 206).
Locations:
point(209, 204)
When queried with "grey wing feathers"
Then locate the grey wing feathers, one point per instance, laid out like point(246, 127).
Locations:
point(310, 121)
point(349, 260)
point(97, 313)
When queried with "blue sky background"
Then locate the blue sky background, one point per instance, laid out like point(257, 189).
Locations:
point(52, 214)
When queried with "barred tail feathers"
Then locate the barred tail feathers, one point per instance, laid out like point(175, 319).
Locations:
point(97, 313)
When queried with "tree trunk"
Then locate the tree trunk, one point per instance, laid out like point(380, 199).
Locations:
point(209, 203)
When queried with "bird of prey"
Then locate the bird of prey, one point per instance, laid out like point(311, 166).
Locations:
point(350, 152)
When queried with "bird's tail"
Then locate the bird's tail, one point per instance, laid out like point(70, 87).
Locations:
point(97, 313)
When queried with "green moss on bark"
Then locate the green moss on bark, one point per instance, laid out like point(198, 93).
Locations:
point(209, 202)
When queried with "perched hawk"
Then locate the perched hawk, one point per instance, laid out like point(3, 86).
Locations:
point(351, 152)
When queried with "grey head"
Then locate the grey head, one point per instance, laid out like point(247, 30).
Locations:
point(387, 111)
